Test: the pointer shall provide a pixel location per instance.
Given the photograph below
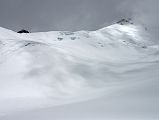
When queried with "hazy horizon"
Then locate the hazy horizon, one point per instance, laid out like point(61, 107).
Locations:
point(72, 15)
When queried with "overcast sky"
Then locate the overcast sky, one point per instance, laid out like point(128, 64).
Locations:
point(46, 15)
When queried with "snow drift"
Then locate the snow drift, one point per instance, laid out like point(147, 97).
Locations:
point(47, 69)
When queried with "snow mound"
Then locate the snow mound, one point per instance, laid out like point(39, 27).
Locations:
point(58, 67)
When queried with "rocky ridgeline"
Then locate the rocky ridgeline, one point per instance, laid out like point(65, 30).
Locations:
point(125, 21)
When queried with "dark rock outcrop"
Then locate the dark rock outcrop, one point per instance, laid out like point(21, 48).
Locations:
point(23, 31)
point(125, 21)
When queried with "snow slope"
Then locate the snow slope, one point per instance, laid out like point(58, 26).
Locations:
point(110, 73)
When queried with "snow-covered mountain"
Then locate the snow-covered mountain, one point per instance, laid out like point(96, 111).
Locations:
point(111, 71)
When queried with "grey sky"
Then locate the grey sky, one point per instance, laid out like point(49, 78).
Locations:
point(45, 15)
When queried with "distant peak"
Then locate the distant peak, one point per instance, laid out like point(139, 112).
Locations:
point(125, 21)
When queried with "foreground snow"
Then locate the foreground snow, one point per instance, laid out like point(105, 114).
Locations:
point(111, 73)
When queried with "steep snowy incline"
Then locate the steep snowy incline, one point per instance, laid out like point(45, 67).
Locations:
point(40, 70)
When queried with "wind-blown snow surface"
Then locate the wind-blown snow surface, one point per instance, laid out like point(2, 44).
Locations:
point(111, 73)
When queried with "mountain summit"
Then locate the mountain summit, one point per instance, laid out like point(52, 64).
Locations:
point(125, 21)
